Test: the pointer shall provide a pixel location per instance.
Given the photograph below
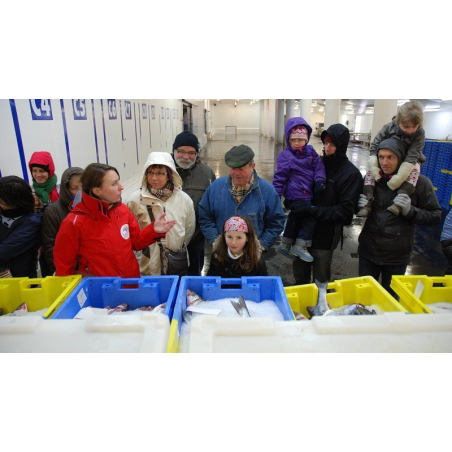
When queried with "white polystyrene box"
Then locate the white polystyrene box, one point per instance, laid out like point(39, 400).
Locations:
point(147, 332)
point(389, 332)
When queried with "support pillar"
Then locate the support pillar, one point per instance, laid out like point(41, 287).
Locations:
point(279, 138)
point(305, 110)
point(384, 110)
point(332, 112)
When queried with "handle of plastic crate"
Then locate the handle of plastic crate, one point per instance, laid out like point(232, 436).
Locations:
point(231, 283)
point(128, 283)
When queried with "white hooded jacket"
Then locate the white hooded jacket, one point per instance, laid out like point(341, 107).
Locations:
point(178, 207)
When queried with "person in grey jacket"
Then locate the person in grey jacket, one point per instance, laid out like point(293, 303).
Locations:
point(196, 177)
point(56, 212)
point(386, 240)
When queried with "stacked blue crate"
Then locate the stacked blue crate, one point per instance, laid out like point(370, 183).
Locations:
point(438, 168)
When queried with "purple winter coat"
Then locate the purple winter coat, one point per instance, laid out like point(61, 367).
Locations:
point(296, 172)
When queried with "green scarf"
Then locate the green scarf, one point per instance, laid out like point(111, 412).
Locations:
point(43, 190)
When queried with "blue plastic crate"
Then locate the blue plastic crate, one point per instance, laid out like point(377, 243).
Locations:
point(137, 292)
point(256, 289)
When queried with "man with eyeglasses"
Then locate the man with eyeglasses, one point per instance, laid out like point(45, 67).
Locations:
point(386, 240)
point(196, 177)
point(245, 194)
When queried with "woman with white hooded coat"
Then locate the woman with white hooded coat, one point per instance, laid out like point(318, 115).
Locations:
point(161, 190)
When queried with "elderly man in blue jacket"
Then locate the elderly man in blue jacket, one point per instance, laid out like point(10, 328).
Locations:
point(245, 194)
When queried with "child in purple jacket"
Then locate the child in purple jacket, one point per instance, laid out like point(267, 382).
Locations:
point(299, 173)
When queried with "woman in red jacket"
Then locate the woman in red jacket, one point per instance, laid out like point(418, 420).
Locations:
point(100, 234)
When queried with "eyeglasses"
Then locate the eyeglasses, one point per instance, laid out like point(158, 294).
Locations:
point(158, 174)
point(189, 153)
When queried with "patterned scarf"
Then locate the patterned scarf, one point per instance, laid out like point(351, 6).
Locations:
point(239, 191)
point(165, 193)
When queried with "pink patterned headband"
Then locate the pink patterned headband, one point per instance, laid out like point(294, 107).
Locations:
point(235, 224)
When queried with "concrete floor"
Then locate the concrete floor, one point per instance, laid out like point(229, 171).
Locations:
point(427, 257)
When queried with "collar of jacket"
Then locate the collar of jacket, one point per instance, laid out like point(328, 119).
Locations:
point(253, 187)
point(94, 207)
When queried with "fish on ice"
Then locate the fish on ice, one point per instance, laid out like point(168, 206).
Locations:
point(350, 309)
point(322, 305)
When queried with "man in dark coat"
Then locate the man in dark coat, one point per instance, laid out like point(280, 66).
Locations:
point(333, 207)
point(386, 240)
point(196, 177)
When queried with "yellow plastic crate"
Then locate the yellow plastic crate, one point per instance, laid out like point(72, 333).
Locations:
point(38, 293)
point(435, 289)
point(364, 290)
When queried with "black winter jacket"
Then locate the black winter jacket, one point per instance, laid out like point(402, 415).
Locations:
point(387, 239)
point(54, 214)
point(337, 203)
point(195, 181)
point(230, 270)
point(19, 245)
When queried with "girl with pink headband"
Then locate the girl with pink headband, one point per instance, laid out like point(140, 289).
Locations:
point(236, 252)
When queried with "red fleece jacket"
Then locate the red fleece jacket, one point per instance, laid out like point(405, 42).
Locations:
point(103, 240)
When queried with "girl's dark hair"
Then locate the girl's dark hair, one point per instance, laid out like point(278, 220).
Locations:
point(15, 192)
point(249, 260)
point(93, 176)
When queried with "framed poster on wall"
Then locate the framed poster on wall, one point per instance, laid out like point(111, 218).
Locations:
point(153, 111)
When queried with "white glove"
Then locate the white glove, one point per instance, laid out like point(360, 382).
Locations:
point(374, 168)
point(362, 201)
point(404, 202)
point(402, 175)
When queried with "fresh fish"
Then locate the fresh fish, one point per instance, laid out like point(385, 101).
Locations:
point(160, 308)
point(350, 309)
point(120, 308)
point(299, 316)
point(144, 308)
point(240, 307)
point(21, 310)
point(322, 305)
point(193, 298)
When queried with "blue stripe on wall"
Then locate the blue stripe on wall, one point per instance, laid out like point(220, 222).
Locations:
point(149, 116)
point(136, 138)
point(12, 104)
point(63, 115)
point(122, 129)
point(95, 131)
point(140, 109)
point(105, 136)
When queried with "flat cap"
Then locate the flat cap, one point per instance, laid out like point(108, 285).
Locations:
point(239, 156)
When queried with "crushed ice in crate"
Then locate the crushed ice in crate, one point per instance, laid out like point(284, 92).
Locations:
point(266, 308)
point(442, 307)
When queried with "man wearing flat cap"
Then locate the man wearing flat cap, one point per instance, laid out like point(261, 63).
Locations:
point(245, 194)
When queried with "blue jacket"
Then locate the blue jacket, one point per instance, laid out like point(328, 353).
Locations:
point(261, 205)
point(297, 171)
